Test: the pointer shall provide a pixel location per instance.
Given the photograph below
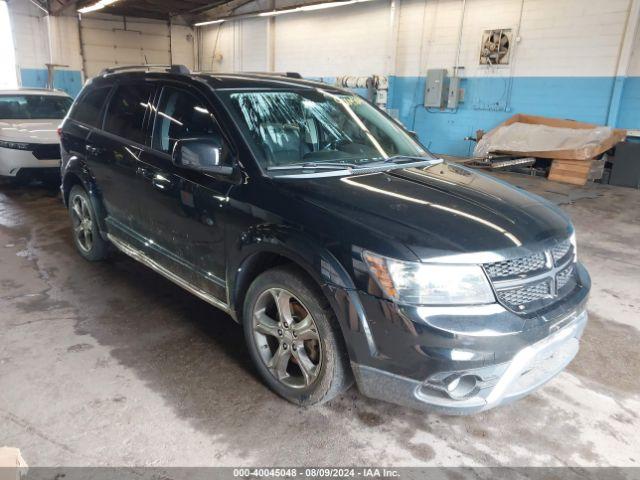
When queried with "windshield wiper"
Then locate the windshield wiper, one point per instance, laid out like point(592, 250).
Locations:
point(314, 166)
point(408, 158)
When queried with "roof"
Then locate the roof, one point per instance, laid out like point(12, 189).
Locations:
point(227, 80)
point(259, 80)
point(33, 91)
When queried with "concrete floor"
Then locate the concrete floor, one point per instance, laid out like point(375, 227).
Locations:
point(110, 364)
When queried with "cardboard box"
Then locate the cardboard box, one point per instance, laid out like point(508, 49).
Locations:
point(587, 153)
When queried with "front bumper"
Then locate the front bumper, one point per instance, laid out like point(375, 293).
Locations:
point(14, 160)
point(529, 369)
point(411, 355)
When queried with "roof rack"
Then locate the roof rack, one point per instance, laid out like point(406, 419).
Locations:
point(277, 74)
point(178, 69)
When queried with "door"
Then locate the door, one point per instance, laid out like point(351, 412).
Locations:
point(184, 210)
point(113, 153)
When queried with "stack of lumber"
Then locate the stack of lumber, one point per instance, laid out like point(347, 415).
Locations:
point(576, 172)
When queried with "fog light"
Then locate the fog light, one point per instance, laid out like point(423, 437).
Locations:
point(459, 387)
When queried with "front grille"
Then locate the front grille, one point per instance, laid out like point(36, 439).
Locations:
point(516, 297)
point(516, 267)
point(46, 152)
point(560, 251)
point(530, 283)
point(564, 277)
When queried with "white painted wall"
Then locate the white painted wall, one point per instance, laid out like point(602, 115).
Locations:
point(634, 64)
point(557, 38)
point(349, 40)
point(65, 41)
point(30, 34)
point(41, 39)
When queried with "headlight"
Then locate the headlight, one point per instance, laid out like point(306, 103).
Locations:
point(574, 244)
point(430, 284)
point(14, 145)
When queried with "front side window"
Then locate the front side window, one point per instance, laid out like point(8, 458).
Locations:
point(290, 127)
point(33, 107)
point(181, 115)
point(89, 106)
point(126, 111)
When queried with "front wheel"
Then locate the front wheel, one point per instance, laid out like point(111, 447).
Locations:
point(293, 338)
point(86, 234)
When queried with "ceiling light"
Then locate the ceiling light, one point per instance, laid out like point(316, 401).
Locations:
point(309, 8)
point(96, 6)
point(211, 22)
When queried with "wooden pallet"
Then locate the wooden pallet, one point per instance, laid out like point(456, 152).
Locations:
point(576, 172)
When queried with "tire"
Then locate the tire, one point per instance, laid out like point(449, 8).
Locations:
point(86, 234)
point(316, 345)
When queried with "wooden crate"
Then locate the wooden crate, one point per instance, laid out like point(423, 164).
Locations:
point(576, 172)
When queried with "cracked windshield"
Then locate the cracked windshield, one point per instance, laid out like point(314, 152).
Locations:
point(316, 129)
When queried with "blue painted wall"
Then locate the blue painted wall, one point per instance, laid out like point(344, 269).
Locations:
point(68, 80)
point(629, 116)
point(486, 105)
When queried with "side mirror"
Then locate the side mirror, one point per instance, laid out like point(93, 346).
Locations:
point(414, 135)
point(201, 154)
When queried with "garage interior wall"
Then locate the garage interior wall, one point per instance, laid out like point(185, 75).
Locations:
point(107, 40)
point(575, 59)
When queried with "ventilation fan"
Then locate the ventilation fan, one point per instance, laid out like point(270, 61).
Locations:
point(496, 47)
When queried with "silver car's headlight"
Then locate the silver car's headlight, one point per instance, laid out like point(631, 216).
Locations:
point(574, 244)
point(416, 283)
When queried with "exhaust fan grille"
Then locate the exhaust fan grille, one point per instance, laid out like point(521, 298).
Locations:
point(496, 47)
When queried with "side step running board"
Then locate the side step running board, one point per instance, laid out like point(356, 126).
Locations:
point(142, 258)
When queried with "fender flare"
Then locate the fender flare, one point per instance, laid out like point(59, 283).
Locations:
point(319, 263)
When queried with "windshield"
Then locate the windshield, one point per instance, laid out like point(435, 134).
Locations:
point(296, 128)
point(32, 107)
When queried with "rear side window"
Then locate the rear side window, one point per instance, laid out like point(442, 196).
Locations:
point(182, 115)
point(89, 106)
point(126, 111)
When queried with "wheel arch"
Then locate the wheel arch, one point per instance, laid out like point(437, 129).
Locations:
point(76, 174)
point(269, 248)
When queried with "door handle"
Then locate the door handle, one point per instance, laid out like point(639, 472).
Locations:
point(91, 150)
point(161, 181)
point(144, 173)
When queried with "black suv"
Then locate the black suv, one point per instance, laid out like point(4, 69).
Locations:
point(343, 247)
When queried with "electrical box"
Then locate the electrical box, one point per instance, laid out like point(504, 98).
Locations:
point(435, 92)
point(454, 93)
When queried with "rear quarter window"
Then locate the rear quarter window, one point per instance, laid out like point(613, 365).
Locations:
point(87, 109)
point(126, 111)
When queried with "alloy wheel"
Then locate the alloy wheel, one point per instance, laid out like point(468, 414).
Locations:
point(82, 222)
point(287, 338)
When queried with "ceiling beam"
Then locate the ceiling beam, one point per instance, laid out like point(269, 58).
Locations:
point(57, 6)
point(225, 9)
point(159, 9)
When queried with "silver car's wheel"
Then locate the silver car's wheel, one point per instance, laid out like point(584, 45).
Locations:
point(82, 222)
point(287, 338)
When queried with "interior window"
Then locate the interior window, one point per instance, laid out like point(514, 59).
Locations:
point(88, 108)
point(182, 115)
point(126, 111)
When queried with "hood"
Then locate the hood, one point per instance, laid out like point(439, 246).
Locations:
point(30, 131)
point(438, 211)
